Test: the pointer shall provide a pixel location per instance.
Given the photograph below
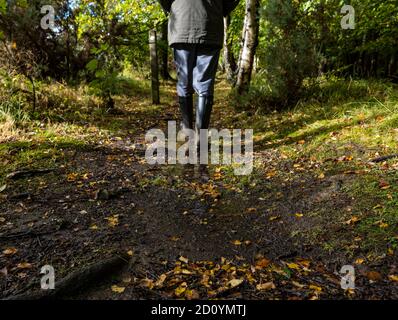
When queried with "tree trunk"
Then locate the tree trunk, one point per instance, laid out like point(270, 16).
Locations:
point(249, 45)
point(229, 58)
point(164, 53)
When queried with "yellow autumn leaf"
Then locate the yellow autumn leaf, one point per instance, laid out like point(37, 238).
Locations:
point(183, 259)
point(294, 266)
point(72, 177)
point(353, 220)
point(118, 289)
point(393, 278)
point(113, 221)
point(180, 289)
point(315, 288)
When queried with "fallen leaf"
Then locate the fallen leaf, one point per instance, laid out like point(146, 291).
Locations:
point(374, 276)
point(118, 289)
point(234, 283)
point(316, 288)
point(113, 221)
point(10, 251)
point(183, 259)
point(393, 278)
point(294, 266)
point(353, 220)
point(265, 286)
point(72, 177)
point(384, 185)
point(180, 289)
point(147, 283)
point(298, 285)
point(2, 188)
point(263, 263)
point(24, 265)
point(161, 280)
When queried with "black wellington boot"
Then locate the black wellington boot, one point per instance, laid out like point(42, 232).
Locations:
point(203, 112)
point(186, 109)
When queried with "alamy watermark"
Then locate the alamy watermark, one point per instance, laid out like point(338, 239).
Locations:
point(348, 21)
point(47, 281)
point(348, 278)
point(48, 20)
point(236, 151)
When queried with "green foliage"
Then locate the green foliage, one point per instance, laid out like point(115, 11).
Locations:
point(288, 55)
point(12, 110)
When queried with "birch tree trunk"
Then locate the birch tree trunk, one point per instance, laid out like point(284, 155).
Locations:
point(229, 58)
point(249, 45)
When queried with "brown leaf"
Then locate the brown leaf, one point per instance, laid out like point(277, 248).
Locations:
point(374, 276)
point(10, 251)
point(24, 265)
point(263, 263)
point(234, 283)
point(265, 286)
point(384, 185)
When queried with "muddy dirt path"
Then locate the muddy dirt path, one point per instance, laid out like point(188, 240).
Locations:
point(189, 232)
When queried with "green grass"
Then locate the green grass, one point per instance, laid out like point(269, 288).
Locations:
point(340, 113)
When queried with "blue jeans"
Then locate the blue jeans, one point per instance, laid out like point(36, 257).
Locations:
point(196, 66)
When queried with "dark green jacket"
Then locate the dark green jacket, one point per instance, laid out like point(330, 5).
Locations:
point(197, 21)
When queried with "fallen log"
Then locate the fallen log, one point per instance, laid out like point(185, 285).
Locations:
point(77, 280)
